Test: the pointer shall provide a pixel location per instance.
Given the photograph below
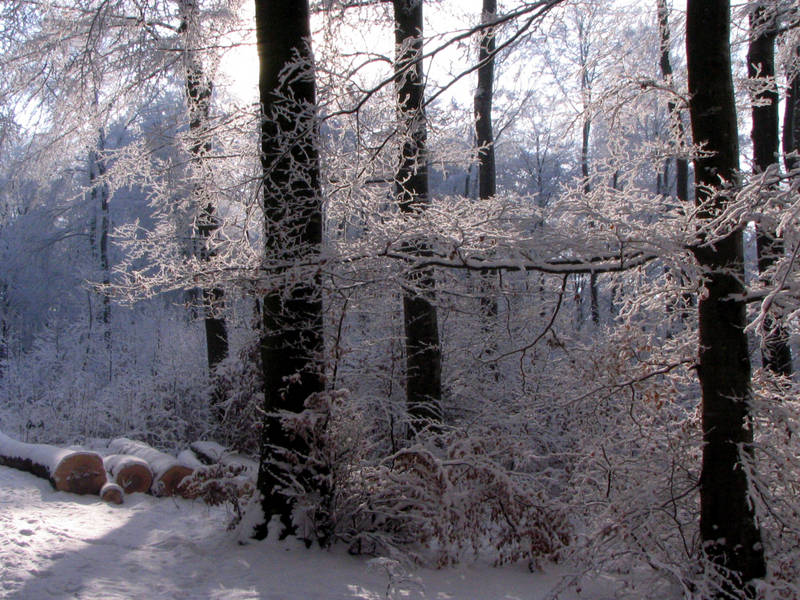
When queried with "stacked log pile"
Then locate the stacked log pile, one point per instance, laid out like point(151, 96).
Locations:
point(168, 473)
point(123, 466)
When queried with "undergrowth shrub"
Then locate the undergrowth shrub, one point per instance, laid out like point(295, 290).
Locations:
point(68, 387)
point(240, 383)
point(440, 500)
point(452, 504)
point(219, 485)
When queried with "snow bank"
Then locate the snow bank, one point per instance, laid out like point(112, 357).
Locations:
point(64, 547)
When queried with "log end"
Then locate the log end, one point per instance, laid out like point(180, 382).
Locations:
point(169, 483)
point(111, 493)
point(135, 477)
point(80, 473)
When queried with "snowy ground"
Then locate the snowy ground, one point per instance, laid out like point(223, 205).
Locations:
point(58, 545)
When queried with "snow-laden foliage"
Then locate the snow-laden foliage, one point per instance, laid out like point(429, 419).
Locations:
point(67, 387)
point(572, 426)
point(218, 485)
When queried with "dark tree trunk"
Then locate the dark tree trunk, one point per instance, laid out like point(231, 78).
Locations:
point(586, 131)
point(423, 353)
point(484, 93)
point(198, 99)
point(594, 303)
point(676, 117)
point(100, 199)
point(484, 139)
point(776, 354)
point(732, 540)
point(292, 336)
point(681, 164)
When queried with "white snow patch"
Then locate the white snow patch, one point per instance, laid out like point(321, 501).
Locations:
point(57, 545)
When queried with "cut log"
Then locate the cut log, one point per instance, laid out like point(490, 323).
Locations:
point(111, 493)
point(131, 473)
point(79, 472)
point(187, 458)
point(212, 453)
point(208, 452)
point(171, 481)
point(168, 474)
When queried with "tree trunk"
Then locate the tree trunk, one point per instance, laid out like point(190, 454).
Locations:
point(732, 540)
point(211, 453)
point(676, 117)
point(198, 99)
point(681, 164)
point(292, 336)
point(423, 353)
point(99, 194)
point(776, 354)
point(484, 139)
point(586, 130)
point(111, 493)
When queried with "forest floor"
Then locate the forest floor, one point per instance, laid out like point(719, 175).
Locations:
point(55, 545)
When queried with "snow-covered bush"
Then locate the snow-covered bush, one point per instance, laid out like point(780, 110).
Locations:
point(240, 383)
point(443, 498)
point(776, 479)
point(69, 386)
point(451, 506)
point(222, 484)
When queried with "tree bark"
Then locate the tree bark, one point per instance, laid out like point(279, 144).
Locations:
point(586, 130)
point(732, 540)
point(484, 139)
point(676, 117)
point(131, 473)
point(292, 335)
point(423, 353)
point(211, 453)
point(776, 354)
point(100, 196)
point(198, 98)
point(484, 133)
point(111, 493)
point(681, 164)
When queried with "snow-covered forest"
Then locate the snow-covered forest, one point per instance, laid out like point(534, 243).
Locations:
point(508, 283)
